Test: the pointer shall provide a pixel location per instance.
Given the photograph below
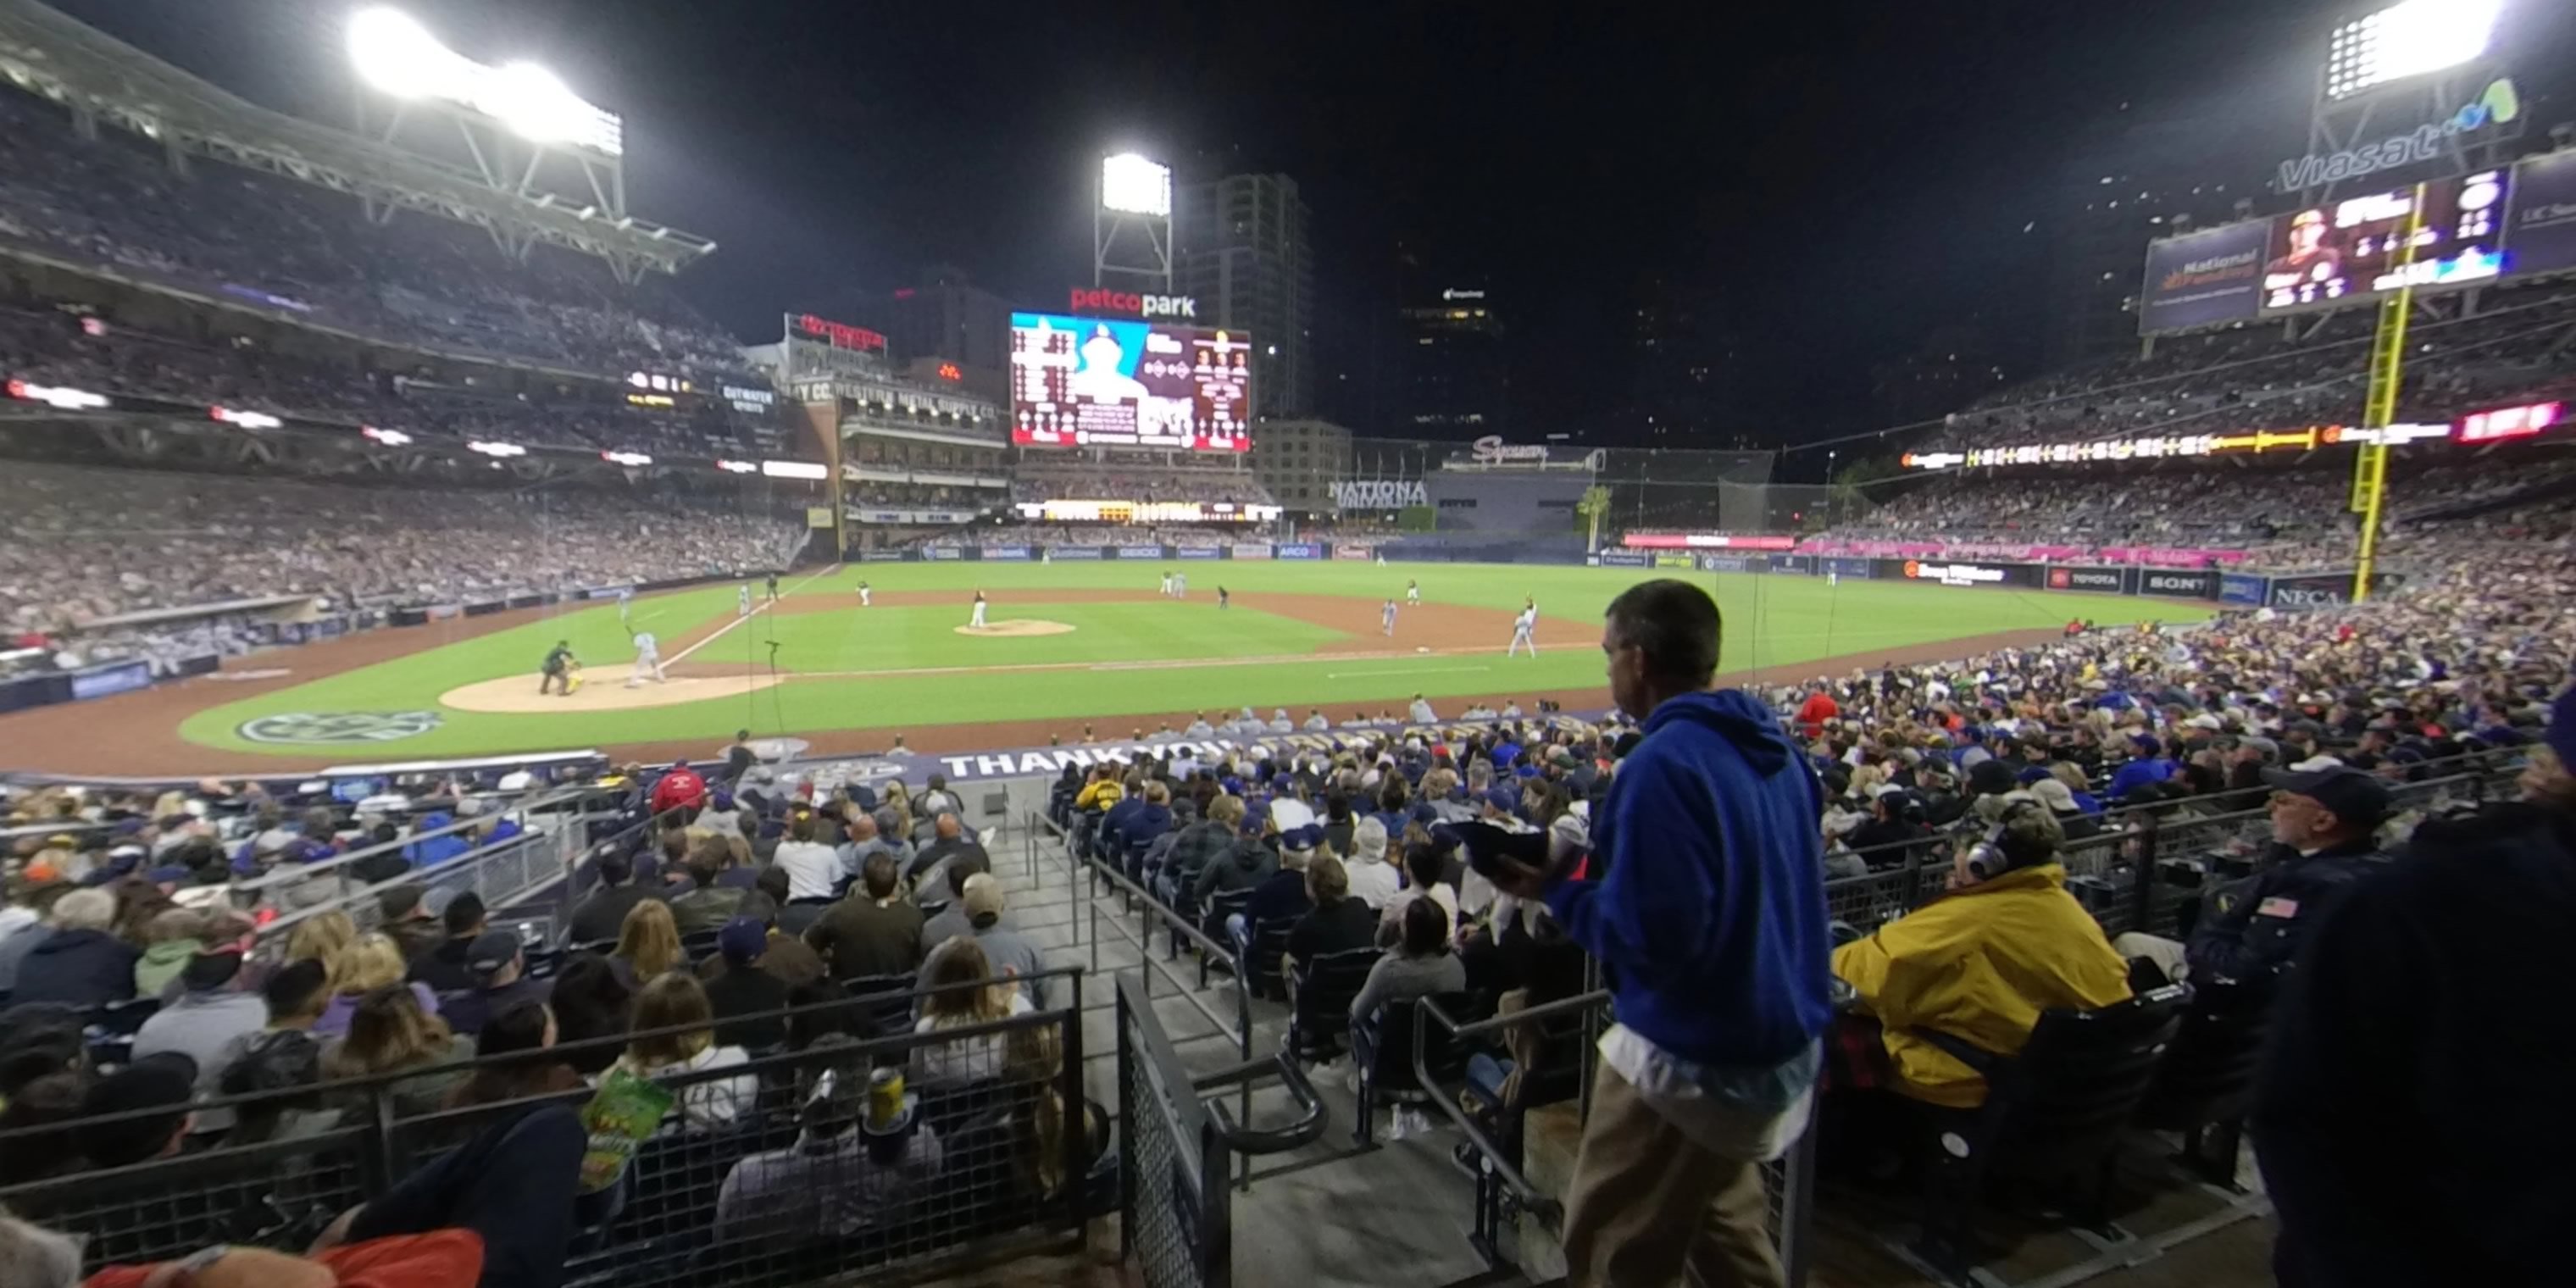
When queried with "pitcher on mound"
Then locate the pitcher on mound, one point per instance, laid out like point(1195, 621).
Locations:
point(977, 621)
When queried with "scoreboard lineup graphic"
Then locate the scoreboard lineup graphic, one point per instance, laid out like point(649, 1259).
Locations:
point(1119, 382)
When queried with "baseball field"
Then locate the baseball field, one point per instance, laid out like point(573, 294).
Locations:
point(1067, 646)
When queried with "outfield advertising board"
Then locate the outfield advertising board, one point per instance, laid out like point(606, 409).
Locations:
point(2107, 581)
point(943, 553)
point(1078, 553)
point(2540, 236)
point(1626, 559)
point(2178, 583)
point(1671, 560)
point(1006, 554)
point(1198, 552)
point(2243, 589)
point(1251, 550)
point(2204, 278)
point(1733, 563)
point(1140, 552)
point(2308, 594)
point(1298, 550)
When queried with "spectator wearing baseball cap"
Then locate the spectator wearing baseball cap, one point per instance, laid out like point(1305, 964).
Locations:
point(211, 1014)
point(2411, 1114)
point(1004, 949)
point(499, 969)
point(744, 998)
point(2323, 826)
point(856, 1157)
point(165, 1082)
point(404, 914)
point(445, 968)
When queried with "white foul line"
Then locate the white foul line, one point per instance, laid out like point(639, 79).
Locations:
point(758, 607)
point(1435, 670)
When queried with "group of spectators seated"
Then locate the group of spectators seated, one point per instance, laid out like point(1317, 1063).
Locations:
point(80, 544)
point(2281, 519)
point(303, 253)
point(731, 944)
point(2517, 348)
point(1137, 481)
point(98, 354)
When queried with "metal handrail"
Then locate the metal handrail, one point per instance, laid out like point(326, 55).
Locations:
point(1245, 1140)
point(1548, 1208)
point(299, 873)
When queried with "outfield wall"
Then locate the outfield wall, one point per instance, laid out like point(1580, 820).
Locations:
point(2292, 592)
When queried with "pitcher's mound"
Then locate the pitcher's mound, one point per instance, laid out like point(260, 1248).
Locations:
point(517, 694)
point(1017, 627)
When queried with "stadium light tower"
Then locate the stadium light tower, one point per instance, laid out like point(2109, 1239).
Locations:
point(2423, 67)
point(508, 121)
point(2410, 39)
point(1131, 222)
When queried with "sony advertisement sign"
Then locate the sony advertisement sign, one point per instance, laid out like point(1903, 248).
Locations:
point(1379, 494)
point(2178, 583)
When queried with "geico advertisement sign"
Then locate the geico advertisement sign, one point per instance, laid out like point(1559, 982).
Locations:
point(1954, 574)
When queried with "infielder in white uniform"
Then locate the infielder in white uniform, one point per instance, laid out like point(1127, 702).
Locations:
point(742, 600)
point(648, 661)
point(977, 621)
point(1524, 628)
point(865, 595)
point(1167, 585)
point(1412, 593)
point(1386, 618)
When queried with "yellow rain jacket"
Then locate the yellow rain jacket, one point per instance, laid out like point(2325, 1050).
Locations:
point(1980, 964)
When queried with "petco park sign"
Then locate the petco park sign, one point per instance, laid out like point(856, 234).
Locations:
point(1092, 299)
point(1380, 494)
point(1954, 574)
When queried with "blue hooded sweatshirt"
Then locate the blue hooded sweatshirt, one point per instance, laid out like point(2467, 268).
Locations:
point(1711, 915)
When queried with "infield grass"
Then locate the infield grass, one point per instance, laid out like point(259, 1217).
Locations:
point(1773, 624)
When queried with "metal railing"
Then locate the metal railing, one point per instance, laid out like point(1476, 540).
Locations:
point(541, 857)
point(1178, 929)
point(2148, 863)
point(1175, 1207)
point(986, 1177)
point(1502, 1184)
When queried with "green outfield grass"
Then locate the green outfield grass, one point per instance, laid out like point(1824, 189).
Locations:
point(1773, 623)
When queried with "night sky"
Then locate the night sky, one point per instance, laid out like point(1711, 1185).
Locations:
point(1821, 186)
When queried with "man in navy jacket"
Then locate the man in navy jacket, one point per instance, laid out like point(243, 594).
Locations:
point(1705, 904)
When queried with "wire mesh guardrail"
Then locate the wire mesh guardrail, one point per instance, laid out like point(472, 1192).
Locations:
point(771, 1168)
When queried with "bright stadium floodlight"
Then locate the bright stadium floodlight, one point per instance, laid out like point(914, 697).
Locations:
point(397, 55)
point(1132, 185)
point(2406, 40)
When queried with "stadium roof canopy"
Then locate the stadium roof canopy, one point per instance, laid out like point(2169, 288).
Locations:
point(104, 79)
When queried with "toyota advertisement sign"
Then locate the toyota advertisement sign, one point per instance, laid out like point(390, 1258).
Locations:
point(2106, 581)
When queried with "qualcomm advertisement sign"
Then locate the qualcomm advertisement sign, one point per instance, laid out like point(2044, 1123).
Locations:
point(1380, 494)
point(1954, 574)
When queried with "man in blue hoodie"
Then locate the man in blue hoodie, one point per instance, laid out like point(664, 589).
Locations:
point(1705, 904)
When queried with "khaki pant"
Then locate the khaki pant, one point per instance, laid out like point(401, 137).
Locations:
point(1648, 1204)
